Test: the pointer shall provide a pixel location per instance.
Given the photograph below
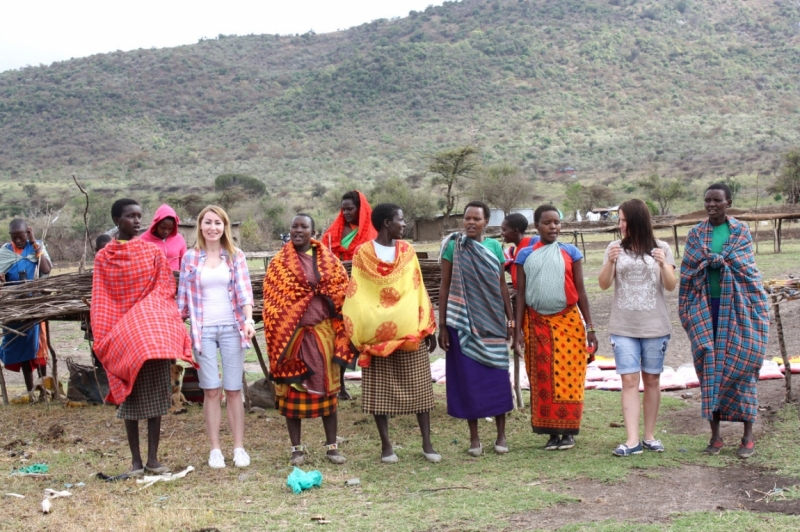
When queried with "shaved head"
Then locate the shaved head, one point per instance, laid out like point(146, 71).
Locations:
point(17, 224)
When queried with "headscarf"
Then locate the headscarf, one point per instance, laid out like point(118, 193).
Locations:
point(332, 238)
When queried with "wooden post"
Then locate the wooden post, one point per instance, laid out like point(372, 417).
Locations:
point(55, 358)
point(780, 227)
point(3, 385)
point(756, 235)
point(260, 357)
point(782, 345)
point(775, 236)
point(677, 246)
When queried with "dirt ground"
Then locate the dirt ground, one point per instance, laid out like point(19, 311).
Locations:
point(691, 488)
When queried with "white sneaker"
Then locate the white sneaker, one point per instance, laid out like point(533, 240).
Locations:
point(216, 460)
point(240, 457)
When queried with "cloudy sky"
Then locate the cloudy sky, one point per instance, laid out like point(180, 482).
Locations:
point(37, 32)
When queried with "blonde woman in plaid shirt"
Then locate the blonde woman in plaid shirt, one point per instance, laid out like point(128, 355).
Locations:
point(214, 291)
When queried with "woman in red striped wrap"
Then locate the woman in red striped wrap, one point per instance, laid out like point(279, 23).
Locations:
point(137, 331)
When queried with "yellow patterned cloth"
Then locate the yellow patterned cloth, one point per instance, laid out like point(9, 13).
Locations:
point(386, 307)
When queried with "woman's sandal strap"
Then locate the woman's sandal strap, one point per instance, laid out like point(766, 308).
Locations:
point(298, 448)
point(332, 446)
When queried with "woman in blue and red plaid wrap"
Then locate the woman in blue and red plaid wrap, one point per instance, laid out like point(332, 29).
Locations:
point(723, 307)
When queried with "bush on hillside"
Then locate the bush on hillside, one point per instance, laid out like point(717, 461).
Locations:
point(247, 183)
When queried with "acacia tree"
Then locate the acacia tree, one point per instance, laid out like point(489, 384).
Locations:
point(504, 186)
point(788, 182)
point(449, 167)
point(664, 192)
point(579, 197)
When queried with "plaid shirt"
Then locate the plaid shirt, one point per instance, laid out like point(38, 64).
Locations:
point(190, 298)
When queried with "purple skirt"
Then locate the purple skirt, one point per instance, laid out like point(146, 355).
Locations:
point(474, 390)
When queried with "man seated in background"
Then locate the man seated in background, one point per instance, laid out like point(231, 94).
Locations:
point(21, 260)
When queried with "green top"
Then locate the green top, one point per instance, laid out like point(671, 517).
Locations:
point(489, 243)
point(718, 239)
point(347, 240)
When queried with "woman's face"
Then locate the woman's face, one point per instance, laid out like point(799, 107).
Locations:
point(300, 232)
point(623, 224)
point(508, 233)
point(129, 222)
point(474, 222)
point(716, 204)
point(549, 226)
point(212, 227)
point(397, 226)
point(164, 228)
point(349, 211)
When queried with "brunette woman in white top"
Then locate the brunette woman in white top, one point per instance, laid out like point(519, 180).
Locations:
point(214, 291)
point(640, 267)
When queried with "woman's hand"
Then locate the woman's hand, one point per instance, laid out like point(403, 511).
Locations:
point(614, 252)
point(249, 330)
point(591, 340)
point(444, 338)
point(659, 256)
point(519, 343)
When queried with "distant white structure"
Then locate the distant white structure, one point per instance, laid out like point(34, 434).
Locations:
point(578, 217)
point(498, 215)
point(593, 216)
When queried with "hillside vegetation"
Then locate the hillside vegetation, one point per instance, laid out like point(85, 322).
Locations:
point(613, 88)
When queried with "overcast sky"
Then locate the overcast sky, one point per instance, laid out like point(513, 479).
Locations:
point(34, 32)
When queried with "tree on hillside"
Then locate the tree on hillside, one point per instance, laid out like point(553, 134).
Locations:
point(664, 192)
point(582, 198)
point(449, 167)
point(504, 186)
point(415, 204)
point(788, 181)
point(251, 185)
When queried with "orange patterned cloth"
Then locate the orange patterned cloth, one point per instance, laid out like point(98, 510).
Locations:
point(387, 307)
point(287, 294)
point(555, 355)
point(332, 238)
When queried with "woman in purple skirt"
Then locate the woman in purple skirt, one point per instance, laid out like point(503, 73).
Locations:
point(475, 322)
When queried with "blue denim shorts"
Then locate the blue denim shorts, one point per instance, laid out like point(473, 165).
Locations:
point(228, 340)
point(633, 355)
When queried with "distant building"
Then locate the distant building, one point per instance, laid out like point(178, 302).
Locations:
point(568, 170)
point(432, 229)
point(498, 215)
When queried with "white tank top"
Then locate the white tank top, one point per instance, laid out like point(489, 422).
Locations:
point(214, 287)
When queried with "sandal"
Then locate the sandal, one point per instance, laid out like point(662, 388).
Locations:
point(298, 460)
point(746, 449)
point(714, 447)
point(334, 458)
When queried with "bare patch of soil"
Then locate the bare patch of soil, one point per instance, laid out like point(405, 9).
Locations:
point(688, 489)
point(771, 396)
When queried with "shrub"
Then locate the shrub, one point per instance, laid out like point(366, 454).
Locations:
point(245, 182)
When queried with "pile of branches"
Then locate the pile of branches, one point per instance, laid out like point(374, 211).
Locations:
point(783, 290)
point(58, 297)
point(68, 297)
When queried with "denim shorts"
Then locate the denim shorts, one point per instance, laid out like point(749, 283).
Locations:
point(633, 355)
point(228, 340)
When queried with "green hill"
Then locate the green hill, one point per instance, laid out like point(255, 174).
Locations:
point(611, 88)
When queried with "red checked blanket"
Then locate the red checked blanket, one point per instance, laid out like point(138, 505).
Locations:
point(133, 314)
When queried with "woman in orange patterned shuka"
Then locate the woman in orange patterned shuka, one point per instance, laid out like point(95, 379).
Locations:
point(550, 275)
point(303, 294)
point(388, 315)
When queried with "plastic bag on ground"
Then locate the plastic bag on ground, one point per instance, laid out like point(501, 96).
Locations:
point(437, 369)
point(299, 480)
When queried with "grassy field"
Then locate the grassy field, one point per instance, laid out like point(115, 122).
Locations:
point(461, 493)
